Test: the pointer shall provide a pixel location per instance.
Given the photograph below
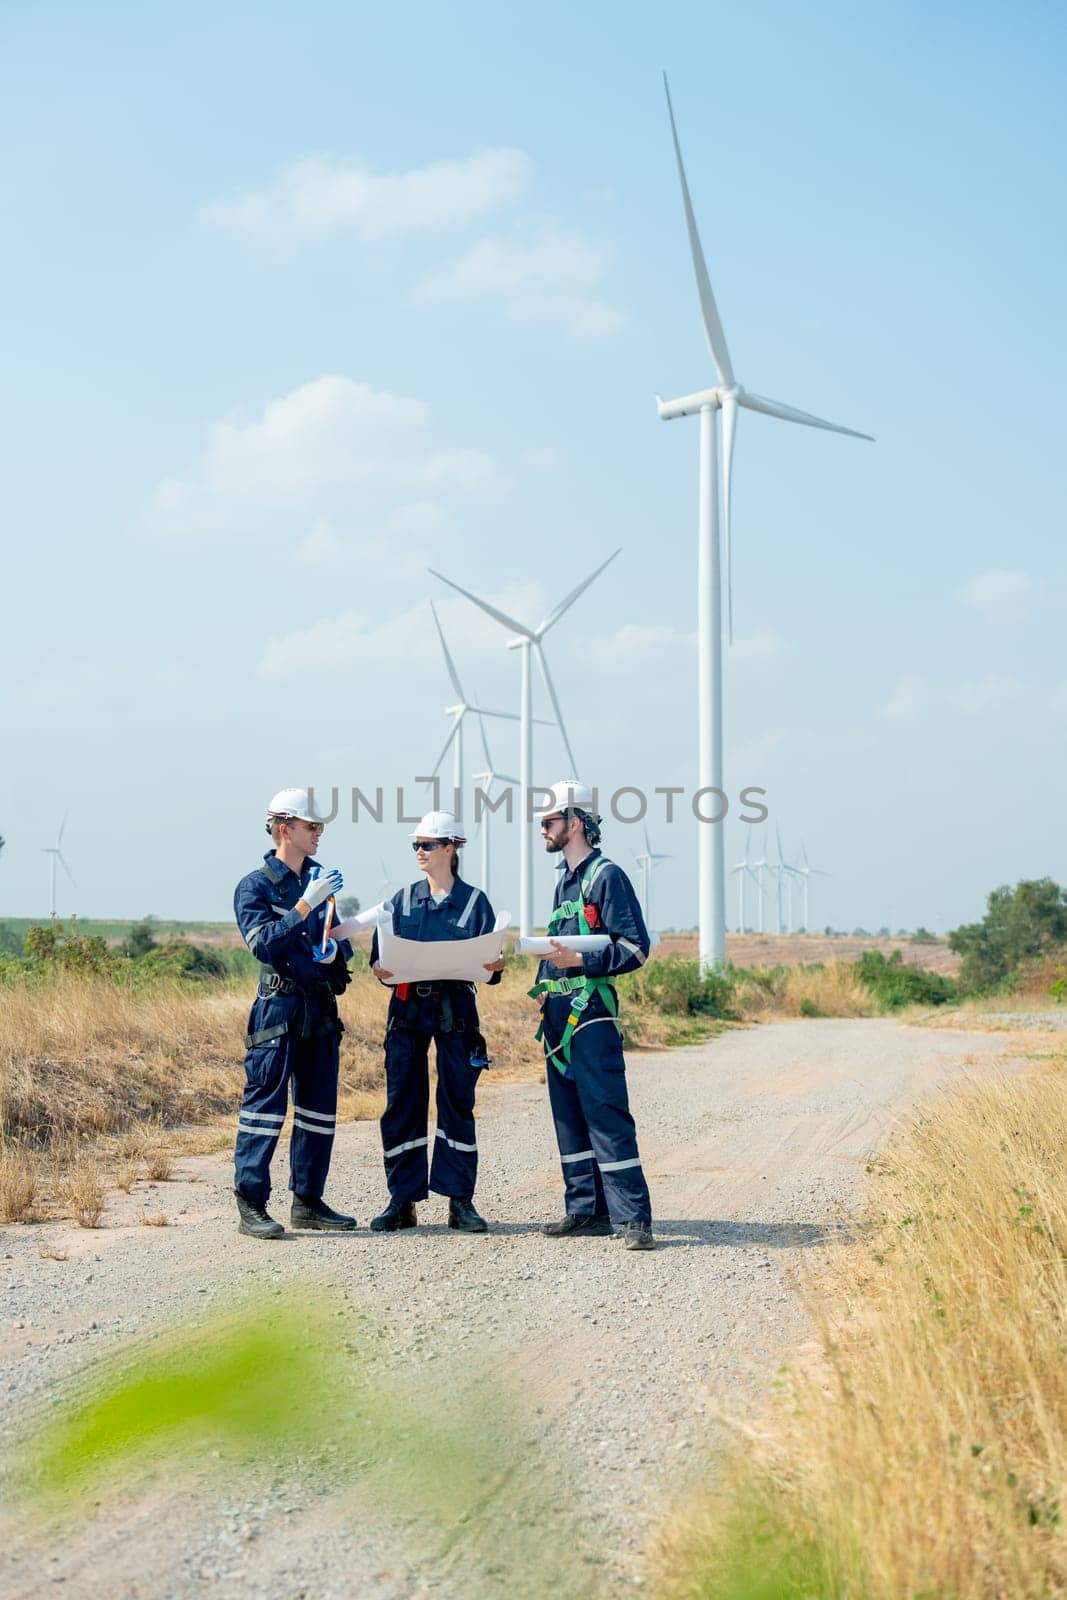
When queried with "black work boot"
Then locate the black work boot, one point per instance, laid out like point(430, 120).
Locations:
point(462, 1215)
point(311, 1213)
point(397, 1214)
point(254, 1219)
point(636, 1235)
point(579, 1225)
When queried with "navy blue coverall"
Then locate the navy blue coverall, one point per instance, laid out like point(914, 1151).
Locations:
point(294, 1033)
point(445, 1012)
point(590, 1106)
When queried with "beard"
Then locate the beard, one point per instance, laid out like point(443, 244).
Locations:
point(554, 845)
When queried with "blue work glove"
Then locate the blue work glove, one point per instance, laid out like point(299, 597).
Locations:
point(322, 886)
point(328, 954)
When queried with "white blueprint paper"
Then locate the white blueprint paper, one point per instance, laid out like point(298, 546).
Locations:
point(579, 942)
point(423, 961)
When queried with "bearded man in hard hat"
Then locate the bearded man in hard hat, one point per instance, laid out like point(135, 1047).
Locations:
point(294, 1030)
point(439, 906)
point(602, 1174)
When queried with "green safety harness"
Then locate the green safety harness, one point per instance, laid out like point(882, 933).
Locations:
point(581, 989)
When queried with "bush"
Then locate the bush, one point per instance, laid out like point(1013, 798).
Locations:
point(674, 985)
point(177, 959)
point(58, 946)
point(894, 985)
point(1019, 924)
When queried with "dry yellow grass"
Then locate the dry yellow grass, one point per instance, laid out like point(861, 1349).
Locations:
point(158, 1219)
point(160, 1166)
point(81, 1189)
point(18, 1184)
point(126, 1174)
point(830, 991)
point(928, 1456)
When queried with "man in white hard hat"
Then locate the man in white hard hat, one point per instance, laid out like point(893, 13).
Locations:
point(294, 1030)
point(438, 906)
point(602, 1174)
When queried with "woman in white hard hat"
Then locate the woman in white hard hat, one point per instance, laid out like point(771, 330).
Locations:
point(438, 906)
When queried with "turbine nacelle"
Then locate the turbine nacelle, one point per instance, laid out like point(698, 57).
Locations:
point(690, 405)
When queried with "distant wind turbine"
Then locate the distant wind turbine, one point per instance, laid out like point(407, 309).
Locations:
point(805, 872)
point(744, 871)
point(56, 853)
point(529, 642)
point(486, 781)
point(727, 397)
point(648, 862)
point(458, 712)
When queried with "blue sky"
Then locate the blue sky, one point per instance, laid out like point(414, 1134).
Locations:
point(301, 301)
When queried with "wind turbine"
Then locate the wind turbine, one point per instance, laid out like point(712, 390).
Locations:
point(388, 885)
point(727, 397)
point(648, 862)
point(529, 642)
point(804, 873)
point(486, 779)
point(744, 871)
point(56, 853)
point(758, 869)
point(458, 712)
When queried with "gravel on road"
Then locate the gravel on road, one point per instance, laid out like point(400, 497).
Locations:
point(619, 1365)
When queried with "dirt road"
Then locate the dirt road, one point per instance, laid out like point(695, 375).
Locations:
point(617, 1363)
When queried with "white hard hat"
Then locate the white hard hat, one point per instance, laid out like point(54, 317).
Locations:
point(440, 825)
point(568, 792)
point(293, 803)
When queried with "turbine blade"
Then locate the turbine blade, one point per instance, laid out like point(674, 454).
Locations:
point(775, 408)
point(712, 325)
point(452, 734)
point(62, 826)
point(550, 686)
point(487, 711)
point(648, 846)
point(66, 869)
point(729, 426)
point(498, 616)
point(485, 747)
point(449, 663)
point(564, 605)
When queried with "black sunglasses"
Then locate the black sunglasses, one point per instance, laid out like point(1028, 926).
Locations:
point(546, 822)
point(430, 844)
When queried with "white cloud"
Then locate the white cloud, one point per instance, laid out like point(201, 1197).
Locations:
point(1000, 596)
point(758, 646)
point(915, 698)
point(322, 194)
point(353, 639)
point(326, 449)
point(752, 759)
point(637, 645)
point(541, 274)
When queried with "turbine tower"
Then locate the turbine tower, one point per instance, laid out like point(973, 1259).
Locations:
point(744, 871)
point(804, 873)
point(458, 712)
point(529, 642)
point(727, 397)
point(648, 862)
point(56, 853)
point(486, 780)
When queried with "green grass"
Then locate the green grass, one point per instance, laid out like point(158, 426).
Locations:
point(115, 931)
